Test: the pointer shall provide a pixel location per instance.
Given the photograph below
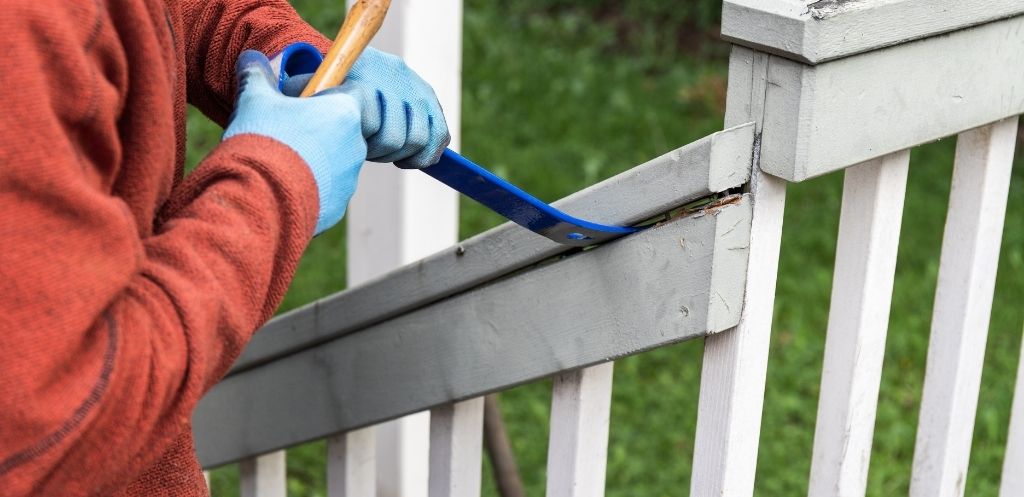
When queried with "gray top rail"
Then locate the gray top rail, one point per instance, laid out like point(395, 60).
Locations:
point(679, 280)
point(818, 31)
point(827, 117)
point(710, 165)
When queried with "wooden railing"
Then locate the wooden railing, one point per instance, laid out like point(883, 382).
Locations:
point(813, 88)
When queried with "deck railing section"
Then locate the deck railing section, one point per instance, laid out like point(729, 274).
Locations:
point(832, 86)
point(852, 85)
point(540, 311)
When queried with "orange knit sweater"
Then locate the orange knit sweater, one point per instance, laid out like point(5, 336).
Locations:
point(125, 291)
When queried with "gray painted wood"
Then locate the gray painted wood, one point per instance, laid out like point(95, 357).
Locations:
point(637, 293)
point(710, 165)
point(818, 31)
point(819, 119)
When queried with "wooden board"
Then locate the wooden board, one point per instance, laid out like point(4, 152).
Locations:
point(456, 442)
point(858, 320)
point(963, 305)
point(1013, 478)
point(818, 119)
point(736, 361)
point(710, 165)
point(815, 32)
point(640, 292)
point(581, 403)
point(263, 476)
point(352, 463)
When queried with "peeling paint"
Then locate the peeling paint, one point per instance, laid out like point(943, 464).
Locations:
point(825, 9)
point(717, 205)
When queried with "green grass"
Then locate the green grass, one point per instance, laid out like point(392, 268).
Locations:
point(555, 101)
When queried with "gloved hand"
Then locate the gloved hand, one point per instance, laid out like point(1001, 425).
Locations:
point(402, 120)
point(324, 130)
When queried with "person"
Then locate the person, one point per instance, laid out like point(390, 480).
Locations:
point(127, 288)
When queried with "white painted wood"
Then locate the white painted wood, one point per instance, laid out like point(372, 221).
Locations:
point(263, 476)
point(869, 233)
point(815, 32)
point(963, 303)
point(206, 478)
point(578, 442)
point(736, 361)
point(403, 451)
point(823, 118)
point(351, 461)
point(636, 293)
point(397, 217)
point(1012, 484)
point(456, 441)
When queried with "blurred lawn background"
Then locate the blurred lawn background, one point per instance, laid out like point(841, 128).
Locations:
point(560, 94)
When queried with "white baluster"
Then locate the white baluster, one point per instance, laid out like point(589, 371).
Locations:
point(736, 361)
point(963, 302)
point(263, 476)
point(869, 232)
point(456, 441)
point(578, 443)
point(1013, 464)
point(351, 461)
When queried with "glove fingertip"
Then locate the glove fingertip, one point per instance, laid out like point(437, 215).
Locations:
point(254, 64)
point(423, 159)
point(436, 149)
point(293, 85)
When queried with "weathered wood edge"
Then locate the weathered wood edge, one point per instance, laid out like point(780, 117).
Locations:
point(816, 32)
point(710, 165)
point(631, 295)
point(729, 266)
point(819, 119)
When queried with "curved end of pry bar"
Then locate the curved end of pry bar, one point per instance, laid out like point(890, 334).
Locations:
point(518, 206)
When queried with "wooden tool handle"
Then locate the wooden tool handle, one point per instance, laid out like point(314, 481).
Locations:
point(361, 23)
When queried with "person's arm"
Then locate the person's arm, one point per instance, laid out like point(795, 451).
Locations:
point(108, 338)
point(217, 31)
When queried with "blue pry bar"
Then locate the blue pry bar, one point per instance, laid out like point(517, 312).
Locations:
point(518, 206)
point(480, 184)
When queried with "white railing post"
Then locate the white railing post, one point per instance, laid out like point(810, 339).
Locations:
point(351, 463)
point(397, 217)
point(456, 441)
point(869, 232)
point(1013, 475)
point(578, 443)
point(963, 303)
point(263, 476)
point(736, 361)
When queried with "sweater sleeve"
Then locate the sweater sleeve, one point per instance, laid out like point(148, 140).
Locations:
point(217, 31)
point(108, 338)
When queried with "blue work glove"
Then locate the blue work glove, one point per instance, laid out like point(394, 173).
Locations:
point(402, 120)
point(324, 130)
